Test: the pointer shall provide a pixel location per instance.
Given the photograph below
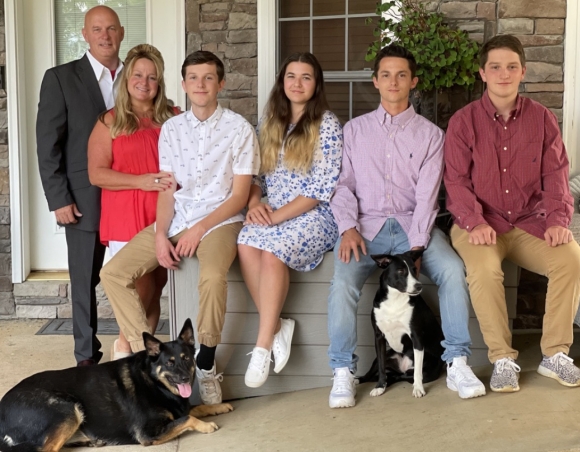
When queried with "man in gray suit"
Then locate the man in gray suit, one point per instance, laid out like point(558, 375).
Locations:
point(72, 96)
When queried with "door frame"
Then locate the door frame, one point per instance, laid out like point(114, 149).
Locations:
point(15, 109)
point(571, 108)
point(17, 143)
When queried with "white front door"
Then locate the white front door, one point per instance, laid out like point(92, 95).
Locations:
point(40, 243)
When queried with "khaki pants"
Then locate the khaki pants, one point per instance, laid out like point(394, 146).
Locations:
point(561, 264)
point(215, 253)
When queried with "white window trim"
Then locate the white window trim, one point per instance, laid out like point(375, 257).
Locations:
point(571, 110)
point(173, 12)
point(266, 51)
point(267, 39)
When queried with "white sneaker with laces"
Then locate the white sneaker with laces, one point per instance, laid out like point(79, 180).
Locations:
point(259, 366)
point(343, 389)
point(282, 344)
point(460, 378)
point(210, 390)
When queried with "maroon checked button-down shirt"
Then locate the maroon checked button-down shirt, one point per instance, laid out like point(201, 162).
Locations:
point(507, 173)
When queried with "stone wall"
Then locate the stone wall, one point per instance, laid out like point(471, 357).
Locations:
point(538, 24)
point(6, 286)
point(51, 300)
point(228, 28)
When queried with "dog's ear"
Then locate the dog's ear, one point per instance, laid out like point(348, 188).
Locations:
point(415, 254)
point(152, 345)
point(382, 260)
point(186, 334)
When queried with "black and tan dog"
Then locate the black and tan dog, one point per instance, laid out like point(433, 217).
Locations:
point(140, 399)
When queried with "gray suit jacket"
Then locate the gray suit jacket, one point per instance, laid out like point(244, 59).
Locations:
point(70, 103)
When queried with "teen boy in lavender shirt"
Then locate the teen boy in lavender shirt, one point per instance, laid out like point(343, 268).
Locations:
point(386, 202)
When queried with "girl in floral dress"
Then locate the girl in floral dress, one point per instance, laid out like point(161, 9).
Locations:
point(301, 151)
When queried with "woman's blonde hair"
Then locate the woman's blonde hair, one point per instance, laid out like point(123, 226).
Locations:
point(125, 121)
point(301, 143)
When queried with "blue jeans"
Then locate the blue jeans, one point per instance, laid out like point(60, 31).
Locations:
point(440, 264)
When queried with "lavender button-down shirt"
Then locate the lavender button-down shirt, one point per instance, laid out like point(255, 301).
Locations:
point(391, 168)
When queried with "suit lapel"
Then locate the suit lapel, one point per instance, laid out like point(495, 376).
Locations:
point(87, 76)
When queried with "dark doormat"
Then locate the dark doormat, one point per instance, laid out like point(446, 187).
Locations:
point(106, 326)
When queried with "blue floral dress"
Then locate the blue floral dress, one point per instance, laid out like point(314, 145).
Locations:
point(301, 242)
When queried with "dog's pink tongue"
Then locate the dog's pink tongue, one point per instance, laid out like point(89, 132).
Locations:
point(184, 390)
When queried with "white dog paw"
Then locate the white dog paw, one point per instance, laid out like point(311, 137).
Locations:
point(377, 392)
point(418, 391)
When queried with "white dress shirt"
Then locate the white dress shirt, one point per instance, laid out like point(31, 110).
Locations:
point(109, 87)
point(204, 156)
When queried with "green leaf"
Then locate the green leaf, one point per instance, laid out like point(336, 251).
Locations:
point(445, 55)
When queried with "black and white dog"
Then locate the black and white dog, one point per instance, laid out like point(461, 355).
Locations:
point(407, 334)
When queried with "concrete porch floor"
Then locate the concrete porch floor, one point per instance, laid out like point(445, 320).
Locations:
point(543, 416)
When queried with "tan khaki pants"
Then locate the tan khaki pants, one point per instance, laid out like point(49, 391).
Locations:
point(561, 264)
point(215, 253)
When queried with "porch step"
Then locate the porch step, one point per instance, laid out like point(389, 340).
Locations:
point(49, 276)
point(106, 327)
point(46, 295)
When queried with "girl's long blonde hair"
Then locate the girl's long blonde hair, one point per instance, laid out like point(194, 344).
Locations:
point(301, 143)
point(125, 121)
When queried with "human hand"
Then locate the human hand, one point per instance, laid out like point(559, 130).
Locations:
point(188, 242)
point(165, 252)
point(482, 234)
point(418, 261)
point(558, 235)
point(351, 241)
point(155, 181)
point(67, 214)
point(259, 214)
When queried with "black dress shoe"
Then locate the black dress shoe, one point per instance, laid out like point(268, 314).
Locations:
point(97, 357)
point(86, 362)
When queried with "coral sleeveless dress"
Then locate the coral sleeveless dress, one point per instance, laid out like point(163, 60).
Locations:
point(124, 213)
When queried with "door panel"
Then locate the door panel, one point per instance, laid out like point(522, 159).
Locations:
point(47, 241)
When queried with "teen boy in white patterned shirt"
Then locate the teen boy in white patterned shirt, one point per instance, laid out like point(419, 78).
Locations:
point(212, 153)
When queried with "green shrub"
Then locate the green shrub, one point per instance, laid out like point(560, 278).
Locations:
point(445, 56)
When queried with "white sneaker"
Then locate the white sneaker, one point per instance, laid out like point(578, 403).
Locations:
point(210, 390)
point(343, 389)
point(259, 366)
point(115, 355)
point(282, 344)
point(460, 378)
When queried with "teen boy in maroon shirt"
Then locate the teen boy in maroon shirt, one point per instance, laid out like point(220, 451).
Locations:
point(507, 188)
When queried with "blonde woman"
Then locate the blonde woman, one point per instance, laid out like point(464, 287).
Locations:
point(301, 151)
point(124, 162)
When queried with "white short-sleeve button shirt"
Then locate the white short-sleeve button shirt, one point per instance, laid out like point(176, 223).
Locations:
point(204, 156)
